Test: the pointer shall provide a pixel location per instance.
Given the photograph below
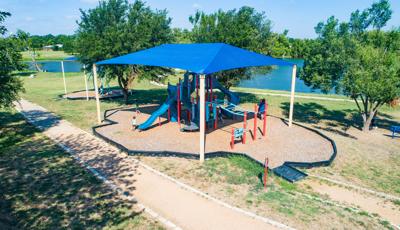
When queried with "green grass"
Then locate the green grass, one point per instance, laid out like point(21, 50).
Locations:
point(240, 176)
point(356, 160)
point(261, 91)
point(46, 88)
point(45, 55)
point(41, 187)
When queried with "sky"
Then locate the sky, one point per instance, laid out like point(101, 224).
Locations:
point(298, 16)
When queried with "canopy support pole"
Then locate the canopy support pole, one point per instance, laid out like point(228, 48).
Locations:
point(96, 92)
point(86, 85)
point(292, 95)
point(63, 74)
point(202, 117)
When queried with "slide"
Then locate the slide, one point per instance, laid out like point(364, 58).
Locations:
point(160, 111)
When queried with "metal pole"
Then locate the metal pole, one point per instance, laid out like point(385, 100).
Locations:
point(86, 85)
point(255, 123)
point(292, 95)
point(63, 74)
point(202, 117)
point(265, 119)
point(96, 92)
point(244, 127)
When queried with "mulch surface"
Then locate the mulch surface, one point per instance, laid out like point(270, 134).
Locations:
point(280, 144)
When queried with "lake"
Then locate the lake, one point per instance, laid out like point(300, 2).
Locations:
point(277, 79)
point(55, 66)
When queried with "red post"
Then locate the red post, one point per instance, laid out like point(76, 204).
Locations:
point(159, 121)
point(169, 114)
point(265, 172)
point(255, 123)
point(216, 119)
point(233, 138)
point(265, 120)
point(244, 127)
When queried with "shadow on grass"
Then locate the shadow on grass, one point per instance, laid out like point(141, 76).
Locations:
point(141, 96)
point(335, 121)
point(42, 187)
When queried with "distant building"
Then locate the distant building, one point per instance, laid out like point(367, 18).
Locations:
point(48, 48)
point(52, 47)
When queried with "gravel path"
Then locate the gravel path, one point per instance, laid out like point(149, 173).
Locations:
point(171, 202)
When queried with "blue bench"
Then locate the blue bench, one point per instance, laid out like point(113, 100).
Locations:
point(394, 129)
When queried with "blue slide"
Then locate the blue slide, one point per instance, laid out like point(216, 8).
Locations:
point(160, 111)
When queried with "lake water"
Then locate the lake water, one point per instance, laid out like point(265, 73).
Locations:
point(55, 66)
point(278, 79)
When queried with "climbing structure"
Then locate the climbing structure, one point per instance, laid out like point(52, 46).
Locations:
point(182, 104)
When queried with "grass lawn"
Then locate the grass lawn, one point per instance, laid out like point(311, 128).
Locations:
point(376, 156)
point(42, 187)
point(370, 160)
point(46, 88)
point(45, 55)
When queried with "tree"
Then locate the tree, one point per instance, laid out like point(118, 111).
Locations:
point(10, 59)
point(181, 35)
point(115, 28)
point(26, 44)
point(363, 64)
point(245, 28)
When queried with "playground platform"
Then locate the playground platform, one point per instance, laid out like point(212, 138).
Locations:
point(281, 143)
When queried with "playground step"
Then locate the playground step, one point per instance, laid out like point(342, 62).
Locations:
point(289, 173)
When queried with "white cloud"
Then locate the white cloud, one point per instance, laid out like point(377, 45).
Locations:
point(196, 6)
point(71, 16)
point(29, 19)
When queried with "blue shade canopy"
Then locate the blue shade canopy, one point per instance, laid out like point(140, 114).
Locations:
point(203, 58)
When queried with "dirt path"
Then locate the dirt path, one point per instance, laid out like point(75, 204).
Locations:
point(167, 198)
point(372, 204)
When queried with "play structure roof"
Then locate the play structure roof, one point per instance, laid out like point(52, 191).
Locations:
point(201, 58)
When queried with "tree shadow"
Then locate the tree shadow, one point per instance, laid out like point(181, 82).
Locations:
point(335, 121)
point(141, 96)
point(43, 119)
point(24, 73)
point(41, 186)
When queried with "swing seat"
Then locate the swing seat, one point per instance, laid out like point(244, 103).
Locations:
point(238, 133)
point(190, 128)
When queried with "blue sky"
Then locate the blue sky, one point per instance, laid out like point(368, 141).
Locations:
point(298, 16)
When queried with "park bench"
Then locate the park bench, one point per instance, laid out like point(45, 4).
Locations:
point(394, 129)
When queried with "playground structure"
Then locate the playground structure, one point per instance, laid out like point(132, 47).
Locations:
point(284, 142)
point(182, 106)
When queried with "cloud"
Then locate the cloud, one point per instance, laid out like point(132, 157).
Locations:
point(71, 16)
point(29, 19)
point(196, 6)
